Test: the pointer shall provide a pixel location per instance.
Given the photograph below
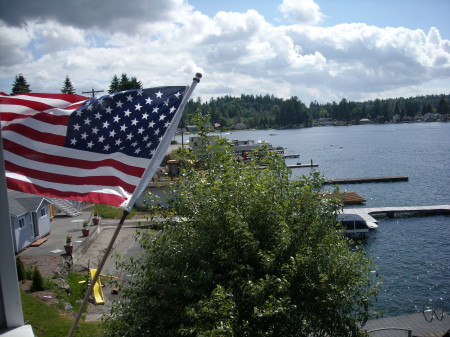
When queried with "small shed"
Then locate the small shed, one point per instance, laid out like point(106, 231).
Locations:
point(30, 218)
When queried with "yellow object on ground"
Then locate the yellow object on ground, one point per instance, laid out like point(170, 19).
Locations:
point(97, 291)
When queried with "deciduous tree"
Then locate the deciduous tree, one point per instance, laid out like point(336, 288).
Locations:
point(245, 251)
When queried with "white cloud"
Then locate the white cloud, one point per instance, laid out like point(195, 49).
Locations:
point(305, 12)
point(236, 52)
point(13, 45)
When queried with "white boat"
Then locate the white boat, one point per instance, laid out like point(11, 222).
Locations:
point(354, 225)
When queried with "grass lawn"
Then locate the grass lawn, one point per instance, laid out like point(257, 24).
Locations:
point(106, 211)
point(48, 321)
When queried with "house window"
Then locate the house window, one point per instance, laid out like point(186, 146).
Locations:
point(43, 212)
point(21, 223)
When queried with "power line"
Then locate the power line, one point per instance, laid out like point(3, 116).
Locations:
point(92, 92)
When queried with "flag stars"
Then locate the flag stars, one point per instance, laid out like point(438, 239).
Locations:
point(119, 104)
point(148, 100)
point(129, 136)
point(112, 133)
point(105, 125)
point(87, 121)
point(98, 115)
point(140, 92)
point(84, 135)
point(138, 107)
point(73, 141)
point(158, 94)
point(145, 115)
point(117, 119)
point(76, 127)
point(129, 98)
point(106, 147)
point(172, 109)
point(95, 130)
point(127, 113)
point(162, 117)
point(123, 127)
point(141, 130)
point(155, 109)
point(101, 139)
point(134, 122)
point(90, 144)
point(151, 124)
point(108, 110)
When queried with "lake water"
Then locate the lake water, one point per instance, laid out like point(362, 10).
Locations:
point(413, 254)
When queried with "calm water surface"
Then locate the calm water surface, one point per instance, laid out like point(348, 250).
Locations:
point(413, 254)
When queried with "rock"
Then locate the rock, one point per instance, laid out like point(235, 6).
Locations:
point(62, 284)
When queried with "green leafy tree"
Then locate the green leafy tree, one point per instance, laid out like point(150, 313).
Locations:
point(244, 251)
point(20, 85)
point(68, 86)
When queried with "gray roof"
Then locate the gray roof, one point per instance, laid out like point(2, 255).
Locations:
point(21, 203)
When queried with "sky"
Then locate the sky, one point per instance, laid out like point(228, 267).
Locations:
point(317, 50)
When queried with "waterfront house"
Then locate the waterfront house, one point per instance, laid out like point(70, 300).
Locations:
point(30, 218)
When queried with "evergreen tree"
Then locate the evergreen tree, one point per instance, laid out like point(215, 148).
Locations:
point(125, 83)
point(20, 85)
point(68, 86)
point(442, 107)
point(115, 85)
point(37, 283)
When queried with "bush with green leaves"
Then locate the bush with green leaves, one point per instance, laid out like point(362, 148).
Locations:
point(245, 251)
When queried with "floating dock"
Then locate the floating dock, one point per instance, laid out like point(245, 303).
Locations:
point(366, 213)
point(302, 165)
point(414, 324)
point(365, 180)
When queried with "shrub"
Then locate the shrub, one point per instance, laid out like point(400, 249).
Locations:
point(37, 281)
point(20, 269)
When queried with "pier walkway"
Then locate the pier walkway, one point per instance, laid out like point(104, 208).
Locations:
point(366, 213)
point(416, 323)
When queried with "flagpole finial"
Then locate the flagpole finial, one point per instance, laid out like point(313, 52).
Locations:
point(197, 77)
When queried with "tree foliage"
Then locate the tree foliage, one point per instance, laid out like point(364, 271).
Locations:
point(272, 112)
point(20, 85)
point(125, 83)
point(245, 251)
point(68, 87)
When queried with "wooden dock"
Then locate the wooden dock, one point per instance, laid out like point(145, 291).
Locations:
point(366, 213)
point(416, 323)
point(365, 180)
point(302, 165)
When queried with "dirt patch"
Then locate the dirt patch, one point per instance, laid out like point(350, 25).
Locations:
point(46, 264)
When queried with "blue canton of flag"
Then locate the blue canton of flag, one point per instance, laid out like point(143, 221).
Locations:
point(132, 122)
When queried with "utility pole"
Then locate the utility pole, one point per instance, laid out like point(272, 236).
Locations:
point(92, 92)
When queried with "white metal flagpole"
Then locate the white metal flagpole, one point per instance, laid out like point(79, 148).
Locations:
point(139, 189)
point(11, 315)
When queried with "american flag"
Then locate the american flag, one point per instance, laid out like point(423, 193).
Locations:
point(95, 150)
